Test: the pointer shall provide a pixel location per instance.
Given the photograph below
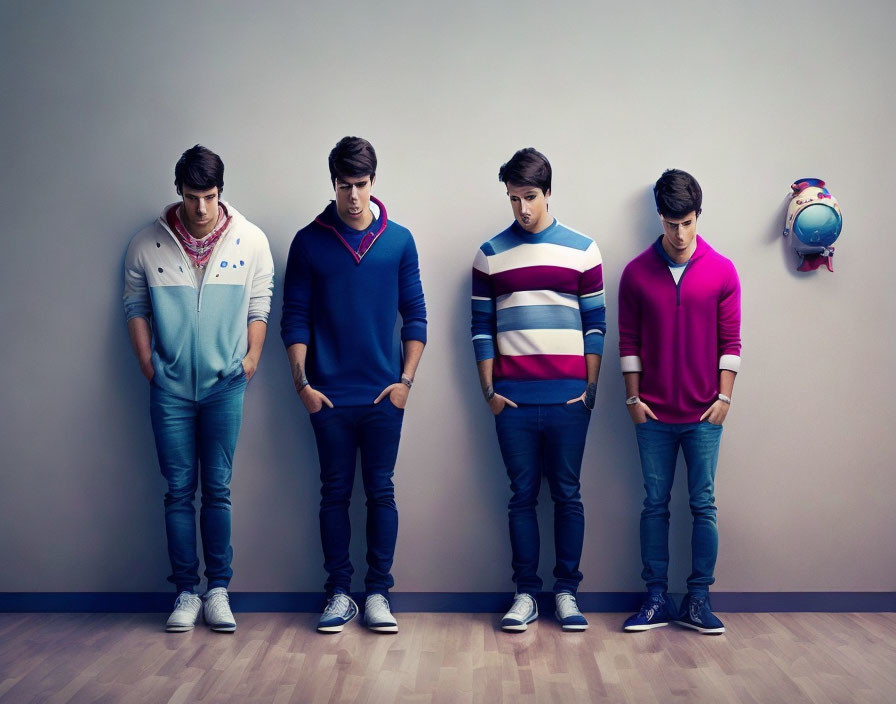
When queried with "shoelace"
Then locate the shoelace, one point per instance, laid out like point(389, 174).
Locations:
point(338, 604)
point(183, 600)
point(695, 607)
point(651, 606)
point(566, 603)
point(214, 601)
point(378, 601)
point(521, 606)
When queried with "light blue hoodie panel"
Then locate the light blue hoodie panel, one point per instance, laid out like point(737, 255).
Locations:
point(199, 334)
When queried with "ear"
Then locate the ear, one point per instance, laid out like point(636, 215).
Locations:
point(372, 180)
point(547, 193)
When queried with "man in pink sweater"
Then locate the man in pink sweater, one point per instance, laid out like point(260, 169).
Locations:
point(679, 343)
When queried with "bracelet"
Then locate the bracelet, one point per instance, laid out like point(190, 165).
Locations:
point(632, 400)
point(302, 385)
point(725, 399)
point(489, 394)
point(407, 381)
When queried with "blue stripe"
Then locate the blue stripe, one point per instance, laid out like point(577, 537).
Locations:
point(556, 234)
point(592, 302)
point(539, 318)
point(444, 602)
point(484, 348)
point(479, 306)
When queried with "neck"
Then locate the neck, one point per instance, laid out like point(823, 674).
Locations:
point(368, 219)
point(679, 256)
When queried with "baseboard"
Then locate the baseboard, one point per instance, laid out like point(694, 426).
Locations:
point(443, 602)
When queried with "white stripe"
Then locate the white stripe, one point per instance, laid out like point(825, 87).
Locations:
point(631, 363)
point(537, 298)
point(731, 362)
point(592, 332)
point(481, 298)
point(482, 337)
point(514, 342)
point(542, 254)
point(589, 295)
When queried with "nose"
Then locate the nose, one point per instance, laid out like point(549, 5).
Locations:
point(200, 206)
point(354, 193)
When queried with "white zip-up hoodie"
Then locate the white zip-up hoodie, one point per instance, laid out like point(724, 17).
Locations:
point(199, 332)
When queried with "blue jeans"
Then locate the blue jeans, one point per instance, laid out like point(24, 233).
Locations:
point(195, 442)
point(544, 440)
point(658, 444)
point(340, 433)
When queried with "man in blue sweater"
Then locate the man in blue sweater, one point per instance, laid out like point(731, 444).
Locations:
point(349, 274)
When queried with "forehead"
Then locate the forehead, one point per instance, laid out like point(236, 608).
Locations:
point(199, 193)
point(678, 221)
point(521, 191)
point(353, 181)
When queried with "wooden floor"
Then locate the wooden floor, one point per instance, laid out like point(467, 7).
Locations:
point(440, 658)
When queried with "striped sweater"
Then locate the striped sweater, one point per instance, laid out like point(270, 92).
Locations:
point(537, 309)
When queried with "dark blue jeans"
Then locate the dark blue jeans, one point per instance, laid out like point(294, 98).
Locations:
point(195, 442)
point(544, 440)
point(340, 433)
point(658, 444)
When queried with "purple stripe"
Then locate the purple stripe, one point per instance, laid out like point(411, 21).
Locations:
point(481, 284)
point(536, 278)
point(592, 280)
point(533, 367)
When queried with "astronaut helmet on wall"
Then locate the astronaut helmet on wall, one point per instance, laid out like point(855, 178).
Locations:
point(814, 222)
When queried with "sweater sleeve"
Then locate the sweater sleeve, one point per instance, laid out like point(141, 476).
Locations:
point(137, 302)
point(592, 304)
point(483, 324)
point(629, 324)
point(295, 323)
point(729, 323)
point(411, 303)
point(262, 282)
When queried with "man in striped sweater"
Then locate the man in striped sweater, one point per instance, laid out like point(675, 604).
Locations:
point(538, 325)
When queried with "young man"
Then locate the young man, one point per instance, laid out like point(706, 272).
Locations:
point(350, 273)
point(679, 340)
point(538, 325)
point(197, 294)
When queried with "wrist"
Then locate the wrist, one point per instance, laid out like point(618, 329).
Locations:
point(632, 400)
point(725, 399)
point(407, 380)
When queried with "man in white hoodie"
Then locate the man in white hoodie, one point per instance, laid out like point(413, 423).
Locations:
point(197, 294)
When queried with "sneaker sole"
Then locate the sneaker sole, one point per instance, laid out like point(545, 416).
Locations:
point(178, 629)
point(223, 629)
point(701, 629)
point(384, 629)
point(515, 628)
point(330, 629)
point(647, 627)
point(574, 628)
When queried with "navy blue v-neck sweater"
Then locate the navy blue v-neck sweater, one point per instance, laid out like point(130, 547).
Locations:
point(342, 294)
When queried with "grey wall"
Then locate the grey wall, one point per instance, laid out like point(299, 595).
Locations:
point(100, 98)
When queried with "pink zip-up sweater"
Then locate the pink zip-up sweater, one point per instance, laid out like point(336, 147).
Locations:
point(679, 336)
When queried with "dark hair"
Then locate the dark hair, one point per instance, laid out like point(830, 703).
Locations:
point(352, 157)
point(528, 167)
point(677, 193)
point(199, 168)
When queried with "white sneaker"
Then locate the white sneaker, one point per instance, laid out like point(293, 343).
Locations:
point(523, 612)
point(377, 615)
point(340, 609)
point(186, 611)
point(216, 610)
point(568, 613)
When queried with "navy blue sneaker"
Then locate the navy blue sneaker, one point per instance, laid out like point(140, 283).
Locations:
point(340, 609)
point(523, 612)
point(657, 610)
point(696, 613)
point(567, 612)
